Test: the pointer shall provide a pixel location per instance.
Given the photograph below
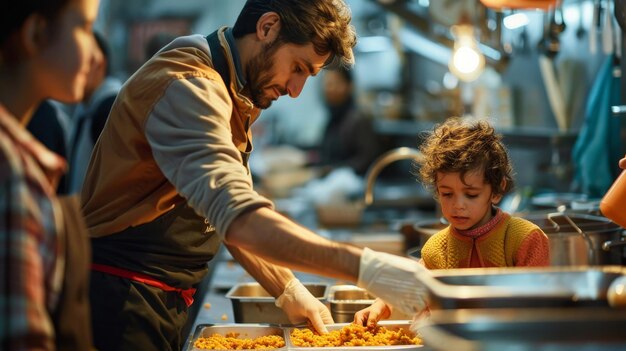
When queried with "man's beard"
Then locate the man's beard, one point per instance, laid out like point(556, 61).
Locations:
point(259, 75)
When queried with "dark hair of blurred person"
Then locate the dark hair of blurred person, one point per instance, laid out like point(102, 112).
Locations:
point(50, 125)
point(44, 53)
point(156, 43)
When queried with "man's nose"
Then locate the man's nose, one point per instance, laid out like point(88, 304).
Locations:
point(295, 86)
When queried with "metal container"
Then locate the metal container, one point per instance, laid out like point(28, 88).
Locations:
point(346, 300)
point(394, 325)
point(599, 329)
point(578, 239)
point(248, 331)
point(253, 304)
point(521, 287)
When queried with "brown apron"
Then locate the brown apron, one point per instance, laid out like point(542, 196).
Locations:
point(131, 309)
point(71, 318)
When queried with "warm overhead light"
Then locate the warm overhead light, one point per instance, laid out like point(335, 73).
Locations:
point(467, 61)
point(515, 20)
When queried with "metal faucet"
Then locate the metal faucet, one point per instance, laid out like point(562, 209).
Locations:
point(401, 153)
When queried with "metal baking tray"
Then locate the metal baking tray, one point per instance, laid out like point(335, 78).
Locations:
point(249, 331)
point(395, 325)
point(582, 286)
point(525, 329)
point(252, 304)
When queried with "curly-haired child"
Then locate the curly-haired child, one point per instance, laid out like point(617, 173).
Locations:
point(468, 168)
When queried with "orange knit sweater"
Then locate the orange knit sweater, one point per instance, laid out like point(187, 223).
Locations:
point(513, 242)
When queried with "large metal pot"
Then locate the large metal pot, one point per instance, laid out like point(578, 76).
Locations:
point(579, 239)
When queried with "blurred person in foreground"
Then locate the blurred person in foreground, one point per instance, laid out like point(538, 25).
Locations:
point(44, 53)
point(91, 114)
point(169, 180)
point(468, 167)
point(50, 125)
point(349, 139)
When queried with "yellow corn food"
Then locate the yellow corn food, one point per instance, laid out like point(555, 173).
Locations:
point(230, 341)
point(353, 335)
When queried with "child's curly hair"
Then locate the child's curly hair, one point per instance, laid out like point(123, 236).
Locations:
point(463, 146)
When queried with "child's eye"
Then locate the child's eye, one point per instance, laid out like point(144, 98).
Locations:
point(446, 194)
point(298, 69)
point(472, 196)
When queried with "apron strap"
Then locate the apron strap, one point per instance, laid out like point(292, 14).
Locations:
point(186, 294)
point(217, 56)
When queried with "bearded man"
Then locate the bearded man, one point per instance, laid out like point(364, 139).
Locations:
point(169, 181)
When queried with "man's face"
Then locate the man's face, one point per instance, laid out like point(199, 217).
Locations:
point(281, 69)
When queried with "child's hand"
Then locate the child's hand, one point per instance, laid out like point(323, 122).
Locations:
point(370, 316)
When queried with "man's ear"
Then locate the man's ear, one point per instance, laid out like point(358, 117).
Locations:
point(268, 27)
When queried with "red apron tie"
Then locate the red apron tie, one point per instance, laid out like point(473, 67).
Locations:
point(186, 294)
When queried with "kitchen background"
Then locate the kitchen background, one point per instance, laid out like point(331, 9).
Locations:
point(540, 67)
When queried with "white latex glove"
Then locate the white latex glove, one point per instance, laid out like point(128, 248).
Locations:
point(393, 279)
point(301, 306)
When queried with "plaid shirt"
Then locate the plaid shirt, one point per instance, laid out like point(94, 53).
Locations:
point(31, 263)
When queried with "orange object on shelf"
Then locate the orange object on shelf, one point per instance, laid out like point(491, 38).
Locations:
point(613, 202)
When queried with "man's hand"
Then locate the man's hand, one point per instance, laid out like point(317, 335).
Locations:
point(301, 306)
point(393, 279)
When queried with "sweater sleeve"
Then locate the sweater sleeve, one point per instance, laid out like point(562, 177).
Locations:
point(190, 137)
point(534, 250)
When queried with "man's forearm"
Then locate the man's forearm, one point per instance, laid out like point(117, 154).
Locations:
point(270, 235)
point(272, 278)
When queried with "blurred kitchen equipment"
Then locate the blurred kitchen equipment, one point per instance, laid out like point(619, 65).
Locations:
point(519, 4)
point(580, 31)
point(339, 215)
point(253, 304)
point(593, 29)
point(553, 200)
point(416, 234)
point(607, 30)
point(521, 287)
point(617, 293)
point(553, 88)
point(401, 153)
point(568, 247)
point(550, 329)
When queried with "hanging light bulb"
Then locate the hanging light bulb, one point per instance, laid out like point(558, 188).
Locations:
point(467, 62)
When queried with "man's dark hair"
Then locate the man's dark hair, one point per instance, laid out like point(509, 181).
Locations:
point(325, 23)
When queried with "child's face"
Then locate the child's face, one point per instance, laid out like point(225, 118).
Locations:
point(465, 205)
